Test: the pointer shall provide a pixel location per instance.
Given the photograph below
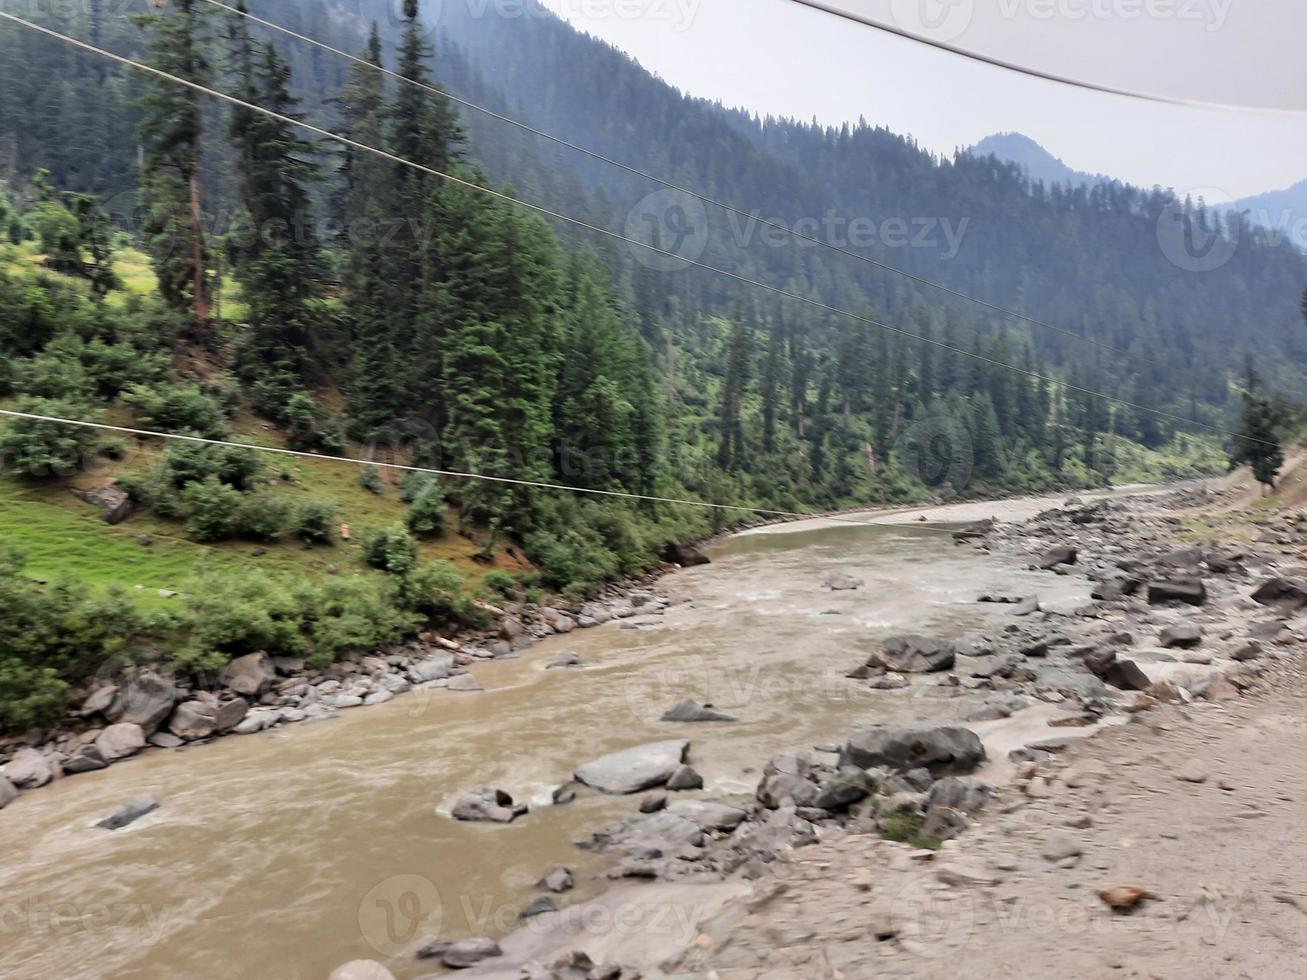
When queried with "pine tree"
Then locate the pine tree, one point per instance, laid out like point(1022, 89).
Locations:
point(1258, 442)
point(171, 133)
point(739, 355)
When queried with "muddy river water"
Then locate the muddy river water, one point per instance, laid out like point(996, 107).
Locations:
point(284, 854)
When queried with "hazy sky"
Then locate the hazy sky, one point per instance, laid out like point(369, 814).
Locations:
point(776, 56)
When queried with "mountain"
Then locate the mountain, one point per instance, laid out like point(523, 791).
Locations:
point(1037, 162)
point(1281, 212)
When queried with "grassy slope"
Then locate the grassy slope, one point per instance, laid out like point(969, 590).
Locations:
point(61, 535)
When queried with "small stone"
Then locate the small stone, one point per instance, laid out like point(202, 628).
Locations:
point(1058, 847)
point(1192, 771)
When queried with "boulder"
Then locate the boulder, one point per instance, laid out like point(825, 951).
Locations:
point(231, 713)
point(1187, 590)
point(99, 701)
point(558, 881)
point(436, 668)
point(1061, 554)
point(129, 813)
point(788, 780)
point(690, 710)
point(685, 555)
point(28, 769)
point(961, 793)
point(165, 740)
point(564, 659)
point(684, 778)
point(1127, 675)
point(634, 769)
point(145, 698)
point(1183, 635)
point(1286, 594)
point(914, 655)
point(942, 750)
point(538, 906)
point(8, 792)
point(464, 682)
point(850, 785)
point(86, 758)
point(469, 952)
point(653, 802)
point(250, 675)
point(193, 719)
point(707, 815)
point(487, 805)
point(114, 502)
point(120, 740)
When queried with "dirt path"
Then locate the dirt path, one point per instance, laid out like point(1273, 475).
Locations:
point(1201, 805)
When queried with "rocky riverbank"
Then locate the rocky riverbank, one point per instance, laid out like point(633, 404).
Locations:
point(131, 709)
point(1174, 622)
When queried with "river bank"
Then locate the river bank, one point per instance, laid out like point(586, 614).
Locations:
point(1173, 626)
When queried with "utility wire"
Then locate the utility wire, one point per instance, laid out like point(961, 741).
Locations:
point(1047, 76)
point(577, 222)
point(449, 474)
point(670, 185)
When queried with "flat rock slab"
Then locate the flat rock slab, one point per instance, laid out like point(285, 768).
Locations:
point(635, 769)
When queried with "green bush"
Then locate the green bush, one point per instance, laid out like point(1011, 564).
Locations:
point(312, 521)
point(370, 480)
point(502, 583)
point(391, 549)
point(186, 463)
point(239, 614)
point(263, 517)
point(186, 409)
point(435, 592)
point(345, 614)
point(29, 696)
point(213, 510)
point(426, 514)
point(46, 449)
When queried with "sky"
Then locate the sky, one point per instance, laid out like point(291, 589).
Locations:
point(779, 57)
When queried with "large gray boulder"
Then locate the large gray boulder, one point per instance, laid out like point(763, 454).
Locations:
point(1062, 554)
point(1191, 591)
point(114, 502)
point(635, 769)
point(8, 792)
point(914, 655)
point(145, 698)
point(788, 779)
point(487, 805)
point(1287, 594)
point(961, 793)
point(250, 675)
point(119, 741)
point(942, 750)
point(129, 813)
point(435, 668)
point(28, 769)
point(85, 758)
point(1182, 635)
point(193, 720)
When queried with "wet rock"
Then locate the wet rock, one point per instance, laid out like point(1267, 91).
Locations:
point(563, 795)
point(558, 881)
point(1191, 591)
point(263, 718)
point(942, 750)
point(684, 778)
point(165, 740)
point(538, 906)
point(8, 792)
point(464, 682)
point(487, 805)
point(132, 811)
point(250, 675)
point(469, 952)
point(914, 655)
point(1285, 594)
point(435, 668)
point(840, 582)
point(635, 769)
point(114, 502)
point(653, 803)
point(564, 659)
point(1183, 635)
point(28, 769)
point(685, 555)
point(690, 710)
point(119, 741)
point(145, 698)
point(1062, 554)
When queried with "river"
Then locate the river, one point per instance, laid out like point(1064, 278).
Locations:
point(284, 854)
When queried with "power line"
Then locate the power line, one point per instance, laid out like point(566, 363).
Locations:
point(670, 185)
point(431, 471)
point(1047, 76)
point(577, 222)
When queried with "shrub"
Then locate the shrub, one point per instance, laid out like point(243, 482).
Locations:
point(312, 521)
point(186, 463)
point(391, 549)
point(435, 591)
point(501, 582)
point(426, 514)
point(263, 517)
point(239, 614)
point(29, 696)
point(370, 480)
point(343, 614)
point(213, 509)
point(45, 449)
point(184, 409)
